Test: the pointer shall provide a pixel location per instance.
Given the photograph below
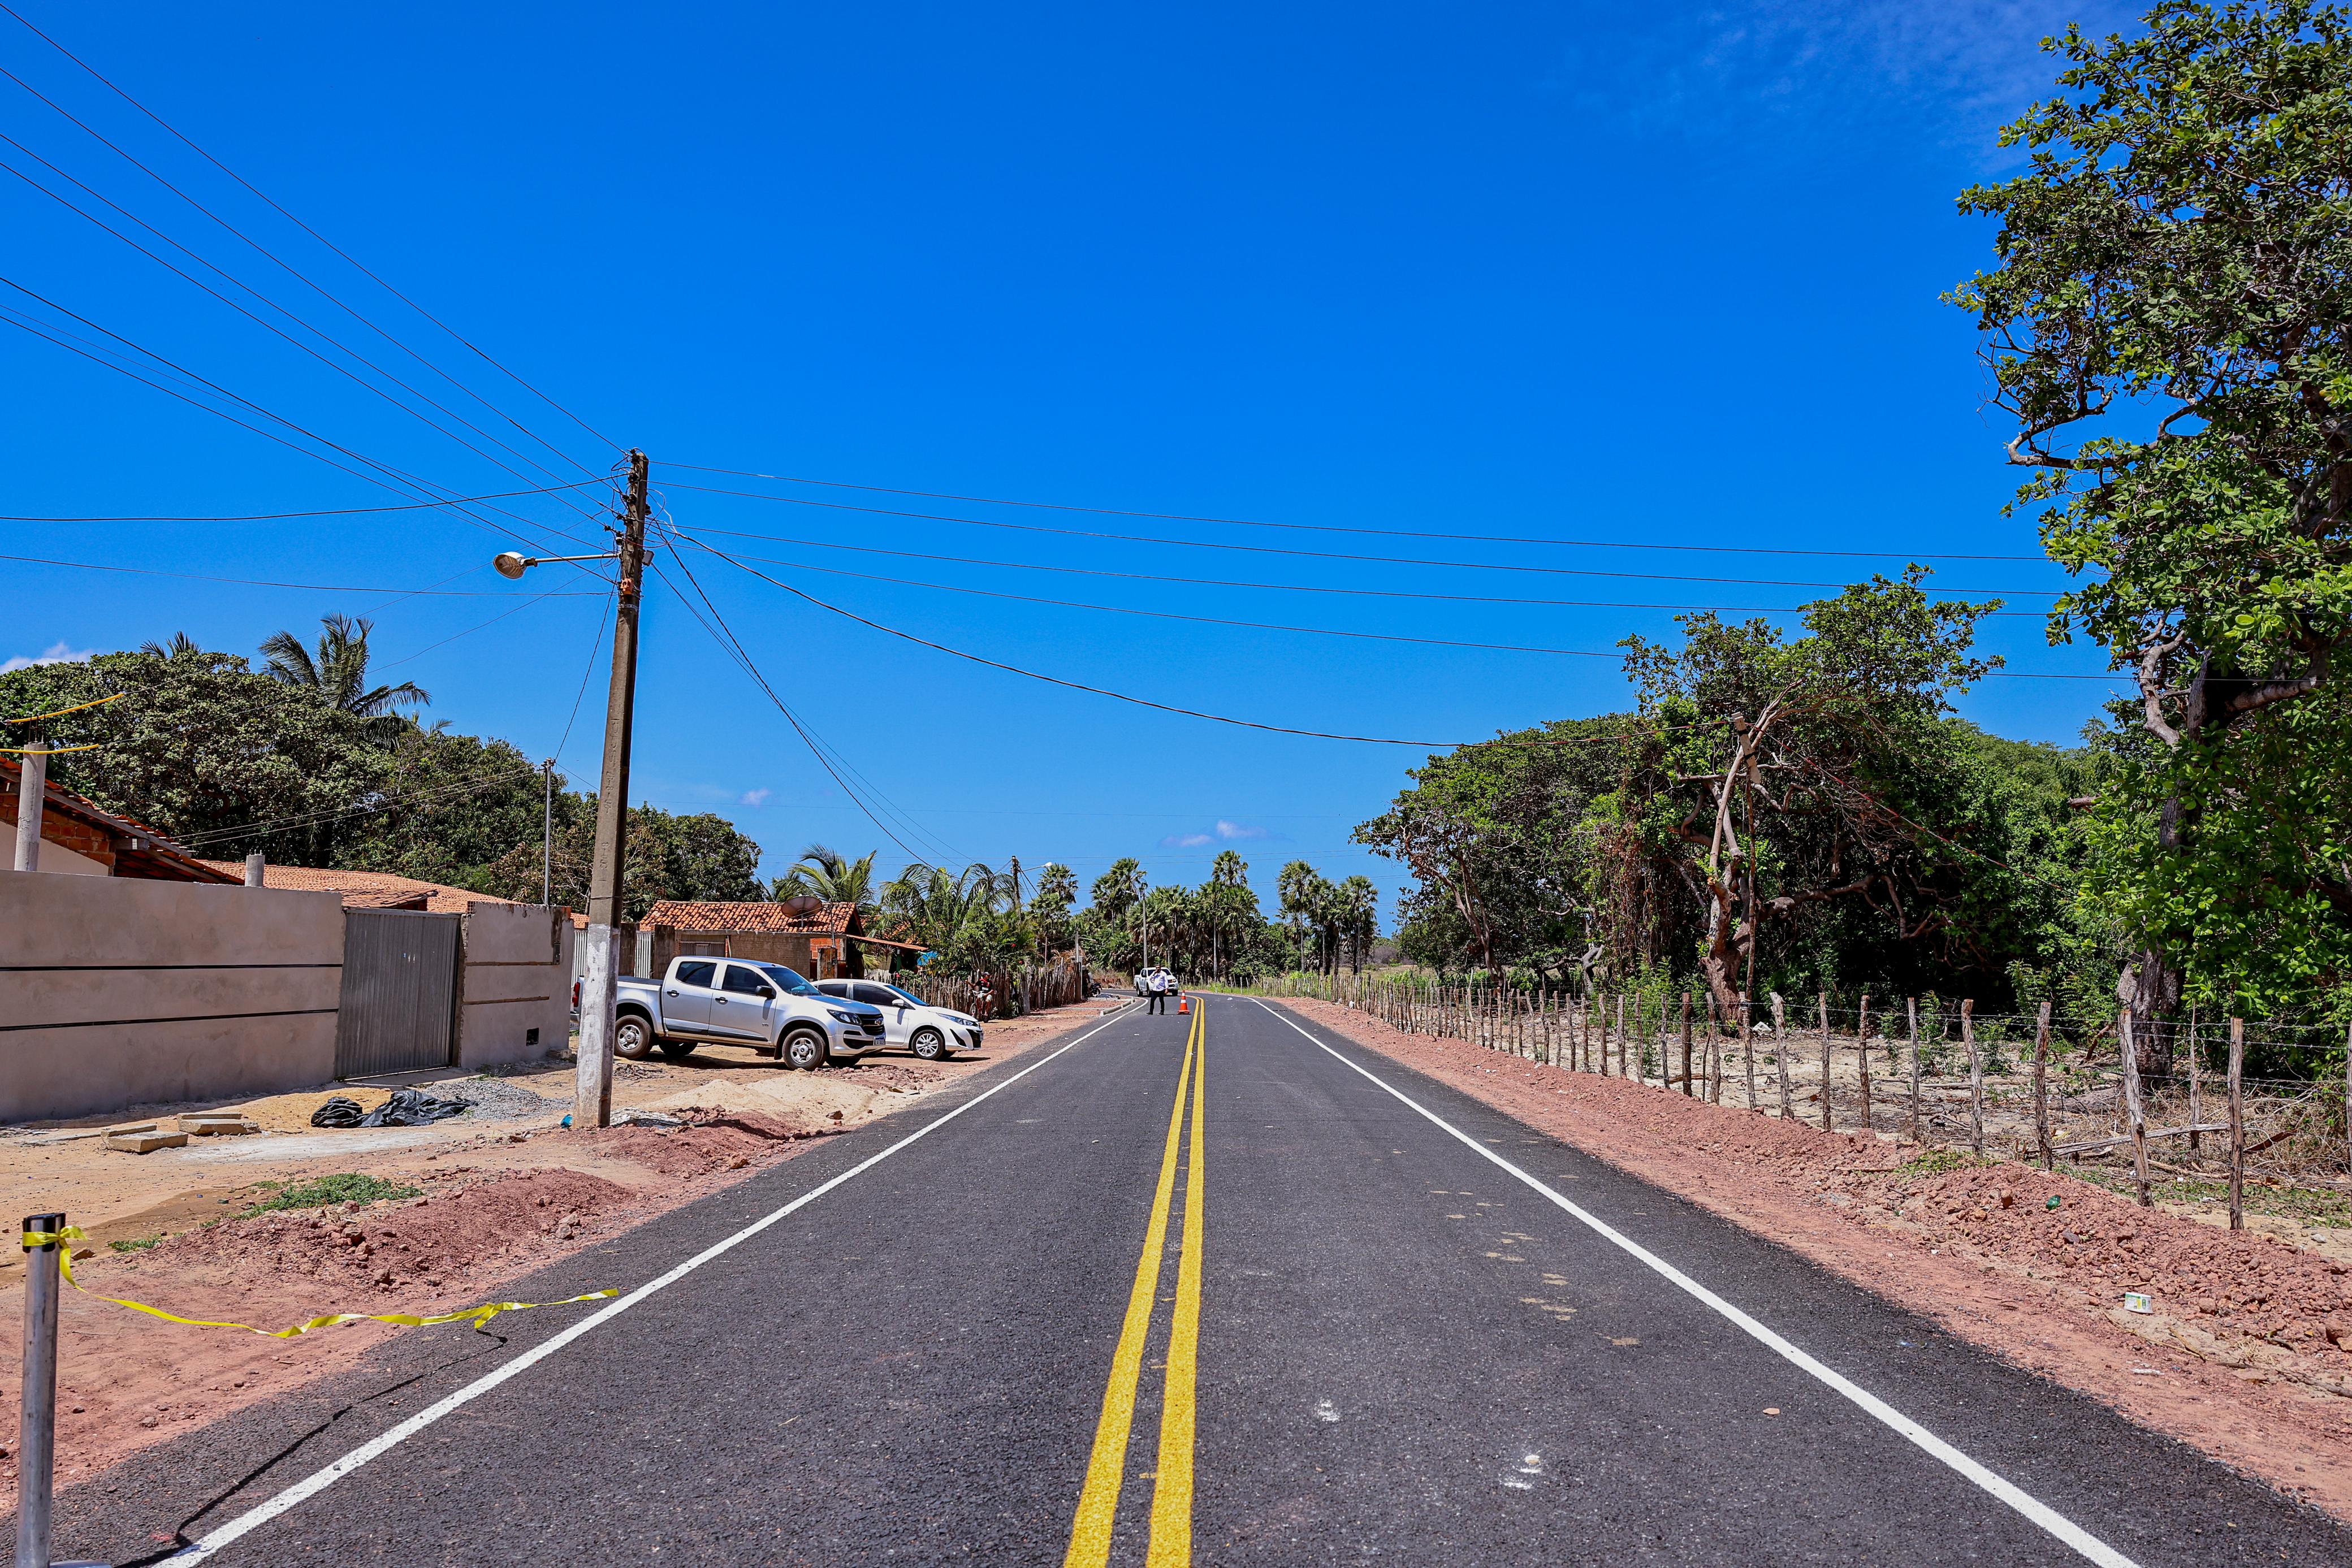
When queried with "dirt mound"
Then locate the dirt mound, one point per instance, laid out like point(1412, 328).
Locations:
point(711, 1140)
point(387, 1245)
point(2243, 1284)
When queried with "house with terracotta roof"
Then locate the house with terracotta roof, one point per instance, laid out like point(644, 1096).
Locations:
point(364, 889)
point(826, 940)
point(81, 838)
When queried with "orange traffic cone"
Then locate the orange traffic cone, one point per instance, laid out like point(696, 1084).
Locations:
point(1184, 1004)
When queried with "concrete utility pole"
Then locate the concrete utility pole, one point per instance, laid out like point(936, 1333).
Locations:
point(31, 800)
point(593, 1104)
point(547, 841)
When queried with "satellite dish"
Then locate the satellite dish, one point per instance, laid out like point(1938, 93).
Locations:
point(803, 903)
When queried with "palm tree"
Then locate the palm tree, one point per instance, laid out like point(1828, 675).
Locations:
point(182, 646)
point(825, 873)
point(339, 672)
point(1361, 903)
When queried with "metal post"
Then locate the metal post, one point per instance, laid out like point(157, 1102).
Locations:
point(593, 1102)
point(37, 1422)
point(32, 797)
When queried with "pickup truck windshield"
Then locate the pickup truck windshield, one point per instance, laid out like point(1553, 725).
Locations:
point(791, 983)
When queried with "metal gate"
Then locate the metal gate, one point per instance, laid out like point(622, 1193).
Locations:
point(398, 1011)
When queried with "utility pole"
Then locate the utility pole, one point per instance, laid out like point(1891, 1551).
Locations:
point(592, 1102)
point(32, 799)
point(547, 841)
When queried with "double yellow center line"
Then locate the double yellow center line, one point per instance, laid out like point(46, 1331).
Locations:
point(1172, 1497)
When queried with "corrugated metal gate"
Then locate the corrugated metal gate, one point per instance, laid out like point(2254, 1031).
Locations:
point(400, 990)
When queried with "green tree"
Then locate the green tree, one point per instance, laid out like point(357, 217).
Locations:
point(832, 877)
point(2171, 327)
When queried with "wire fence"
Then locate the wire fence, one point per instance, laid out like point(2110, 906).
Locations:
point(1931, 1070)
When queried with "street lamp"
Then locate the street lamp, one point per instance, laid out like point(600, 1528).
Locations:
point(512, 564)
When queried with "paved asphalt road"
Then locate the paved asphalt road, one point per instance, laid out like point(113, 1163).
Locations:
point(1405, 1352)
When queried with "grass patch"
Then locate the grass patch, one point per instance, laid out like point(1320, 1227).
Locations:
point(140, 1245)
point(345, 1186)
point(2307, 1204)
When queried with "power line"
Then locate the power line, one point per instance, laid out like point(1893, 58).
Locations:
point(1335, 528)
point(322, 240)
point(381, 803)
point(1105, 690)
point(407, 483)
point(534, 598)
point(1514, 600)
point(733, 648)
point(308, 586)
point(276, 330)
point(330, 512)
point(1275, 626)
point(1325, 555)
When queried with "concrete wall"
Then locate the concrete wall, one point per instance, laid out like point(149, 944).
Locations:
point(116, 992)
point(517, 984)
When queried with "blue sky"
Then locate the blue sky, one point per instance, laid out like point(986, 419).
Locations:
point(1648, 275)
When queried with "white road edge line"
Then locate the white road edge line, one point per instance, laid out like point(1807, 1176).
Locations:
point(311, 1486)
point(2032, 1507)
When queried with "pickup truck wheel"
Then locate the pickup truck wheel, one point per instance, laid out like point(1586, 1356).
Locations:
point(632, 1037)
point(805, 1049)
point(927, 1044)
point(677, 1050)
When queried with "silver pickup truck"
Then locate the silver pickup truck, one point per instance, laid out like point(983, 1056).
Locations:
point(732, 1001)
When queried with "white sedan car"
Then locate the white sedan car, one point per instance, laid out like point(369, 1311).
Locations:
point(931, 1033)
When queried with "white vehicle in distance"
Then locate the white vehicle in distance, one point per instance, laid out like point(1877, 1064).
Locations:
point(1143, 981)
point(934, 1034)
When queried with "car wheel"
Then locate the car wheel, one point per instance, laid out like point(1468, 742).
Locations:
point(632, 1038)
point(927, 1044)
point(677, 1050)
point(805, 1049)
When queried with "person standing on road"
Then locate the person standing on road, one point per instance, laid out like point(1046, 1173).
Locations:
point(1159, 982)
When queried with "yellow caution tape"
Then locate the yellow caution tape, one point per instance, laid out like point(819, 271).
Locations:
point(477, 1315)
point(61, 713)
point(50, 750)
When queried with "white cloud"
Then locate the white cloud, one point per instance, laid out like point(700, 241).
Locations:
point(1230, 830)
point(1185, 841)
point(57, 654)
point(755, 797)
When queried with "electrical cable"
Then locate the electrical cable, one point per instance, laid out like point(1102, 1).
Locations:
point(276, 330)
point(1333, 528)
point(322, 239)
point(534, 598)
point(239, 282)
point(1154, 577)
point(1105, 690)
point(730, 645)
point(1331, 555)
point(1277, 626)
point(330, 512)
point(307, 587)
point(381, 803)
point(407, 483)
point(603, 621)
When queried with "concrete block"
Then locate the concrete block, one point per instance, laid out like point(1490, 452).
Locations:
point(217, 1125)
point(142, 1138)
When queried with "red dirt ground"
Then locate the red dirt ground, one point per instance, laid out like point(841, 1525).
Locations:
point(2248, 1354)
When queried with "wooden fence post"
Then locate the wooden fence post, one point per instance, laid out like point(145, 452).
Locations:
point(2237, 1125)
point(1748, 1043)
point(1687, 1090)
point(1976, 1075)
point(1913, 1007)
point(1781, 1050)
point(2041, 1092)
point(2196, 1085)
point(1862, 1059)
point(2132, 1107)
point(1829, 1123)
